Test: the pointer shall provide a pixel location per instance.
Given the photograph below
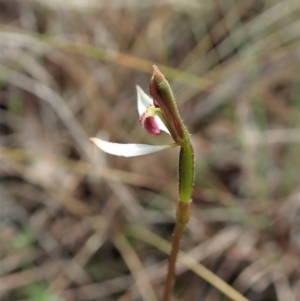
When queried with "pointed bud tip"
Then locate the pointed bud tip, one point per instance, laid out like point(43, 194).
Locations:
point(157, 74)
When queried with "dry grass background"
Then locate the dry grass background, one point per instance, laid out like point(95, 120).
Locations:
point(77, 224)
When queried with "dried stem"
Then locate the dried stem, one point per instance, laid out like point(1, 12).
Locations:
point(182, 218)
point(179, 228)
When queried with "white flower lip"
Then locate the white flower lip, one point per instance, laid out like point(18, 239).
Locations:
point(129, 150)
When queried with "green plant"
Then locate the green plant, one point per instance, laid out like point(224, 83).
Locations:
point(156, 114)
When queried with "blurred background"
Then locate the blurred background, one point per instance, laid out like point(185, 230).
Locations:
point(80, 225)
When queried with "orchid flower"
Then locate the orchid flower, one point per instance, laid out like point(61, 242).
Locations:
point(149, 120)
point(159, 113)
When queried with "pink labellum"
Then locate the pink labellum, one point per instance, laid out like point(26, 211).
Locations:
point(151, 127)
point(149, 124)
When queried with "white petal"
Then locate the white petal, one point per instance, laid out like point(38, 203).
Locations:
point(161, 125)
point(128, 150)
point(143, 100)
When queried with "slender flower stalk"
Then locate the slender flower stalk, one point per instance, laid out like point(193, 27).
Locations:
point(160, 113)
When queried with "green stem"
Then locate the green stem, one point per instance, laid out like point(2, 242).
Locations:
point(186, 172)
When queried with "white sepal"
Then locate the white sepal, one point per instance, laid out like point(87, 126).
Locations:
point(143, 100)
point(161, 125)
point(128, 150)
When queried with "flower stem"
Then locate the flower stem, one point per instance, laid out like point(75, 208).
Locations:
point(179, 228)
point(182, 218)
